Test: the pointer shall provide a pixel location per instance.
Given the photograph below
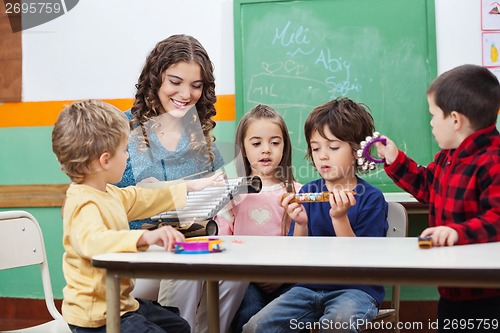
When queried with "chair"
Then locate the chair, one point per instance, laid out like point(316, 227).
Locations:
point(398, 227)
point(21, 244)
point(146, 289)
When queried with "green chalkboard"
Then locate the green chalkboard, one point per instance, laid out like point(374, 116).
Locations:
point(295, 55)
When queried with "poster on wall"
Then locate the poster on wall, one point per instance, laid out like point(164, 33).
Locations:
point(490, 15)
point(491, 45)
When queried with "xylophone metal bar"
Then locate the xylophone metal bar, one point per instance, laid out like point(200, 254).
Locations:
point(202, 206)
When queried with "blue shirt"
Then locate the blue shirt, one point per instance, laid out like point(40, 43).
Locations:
point(368, 218)
point(163, 164)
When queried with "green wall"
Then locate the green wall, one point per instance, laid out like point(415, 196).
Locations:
point(26, 282)
point(26, 158)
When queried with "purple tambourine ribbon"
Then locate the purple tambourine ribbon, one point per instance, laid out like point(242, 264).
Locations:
point(366, 150)
point(367, 162)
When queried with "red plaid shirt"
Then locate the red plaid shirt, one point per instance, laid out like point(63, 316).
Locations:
point(462, 188)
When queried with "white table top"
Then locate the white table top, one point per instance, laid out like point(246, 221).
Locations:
point(320, 259)
point(402, 197)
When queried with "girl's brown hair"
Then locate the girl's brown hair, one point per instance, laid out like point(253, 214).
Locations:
point(168, 52)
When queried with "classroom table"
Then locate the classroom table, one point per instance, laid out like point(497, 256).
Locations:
point(305, 259)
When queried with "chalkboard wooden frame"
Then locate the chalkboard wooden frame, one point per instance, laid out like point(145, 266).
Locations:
point(395, 52)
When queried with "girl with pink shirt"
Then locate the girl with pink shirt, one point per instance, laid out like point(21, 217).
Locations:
point(265, 147)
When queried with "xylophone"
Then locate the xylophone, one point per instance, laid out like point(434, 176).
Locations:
point(196, 218)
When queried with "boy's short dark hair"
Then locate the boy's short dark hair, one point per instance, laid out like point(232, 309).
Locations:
point(347, 120)
point(470, 90)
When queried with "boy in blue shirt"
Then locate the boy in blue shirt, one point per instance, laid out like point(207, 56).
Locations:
point(355, 209)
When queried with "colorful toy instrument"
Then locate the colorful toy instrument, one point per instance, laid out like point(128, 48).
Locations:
point(196, 218)
point(310, 197)
point(365, 160)
point(198, 245)
point(424, 242)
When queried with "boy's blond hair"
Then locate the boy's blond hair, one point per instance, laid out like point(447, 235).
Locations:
point(83, 132)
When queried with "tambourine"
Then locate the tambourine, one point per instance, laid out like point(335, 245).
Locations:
point(198, 245)
point(366, 161)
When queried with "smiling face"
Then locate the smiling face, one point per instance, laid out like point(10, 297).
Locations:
point(181, 88)
point(334, 159)
point(264, 145)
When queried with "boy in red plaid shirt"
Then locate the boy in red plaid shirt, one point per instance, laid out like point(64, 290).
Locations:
point(461, 185)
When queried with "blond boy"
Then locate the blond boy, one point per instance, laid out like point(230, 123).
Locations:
point(90, 141)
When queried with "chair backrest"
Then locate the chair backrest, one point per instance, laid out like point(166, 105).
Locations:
point(397, 217)
point(21, 244)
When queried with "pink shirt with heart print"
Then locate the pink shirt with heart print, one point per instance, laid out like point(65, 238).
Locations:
point(255, 214)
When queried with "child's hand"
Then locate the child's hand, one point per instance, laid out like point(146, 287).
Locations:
point(341, 201)
point(389, 151)
point(441, 236)
point(295, 210)
point(216, 179)
point(164, 236)
point(148, 182)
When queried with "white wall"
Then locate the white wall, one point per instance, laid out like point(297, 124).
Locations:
point(458, 33)
point(98, 48)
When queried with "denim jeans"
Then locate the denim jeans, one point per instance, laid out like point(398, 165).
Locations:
point(301, 309)
point(151, 317)
point(255, 299)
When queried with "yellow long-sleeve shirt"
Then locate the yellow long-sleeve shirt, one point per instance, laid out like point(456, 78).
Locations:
point(97, 222)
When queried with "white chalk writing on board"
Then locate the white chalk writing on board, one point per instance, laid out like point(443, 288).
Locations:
point(297, 54)
point(299, 67)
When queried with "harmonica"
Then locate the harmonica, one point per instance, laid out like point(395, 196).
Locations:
point(311, 197)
